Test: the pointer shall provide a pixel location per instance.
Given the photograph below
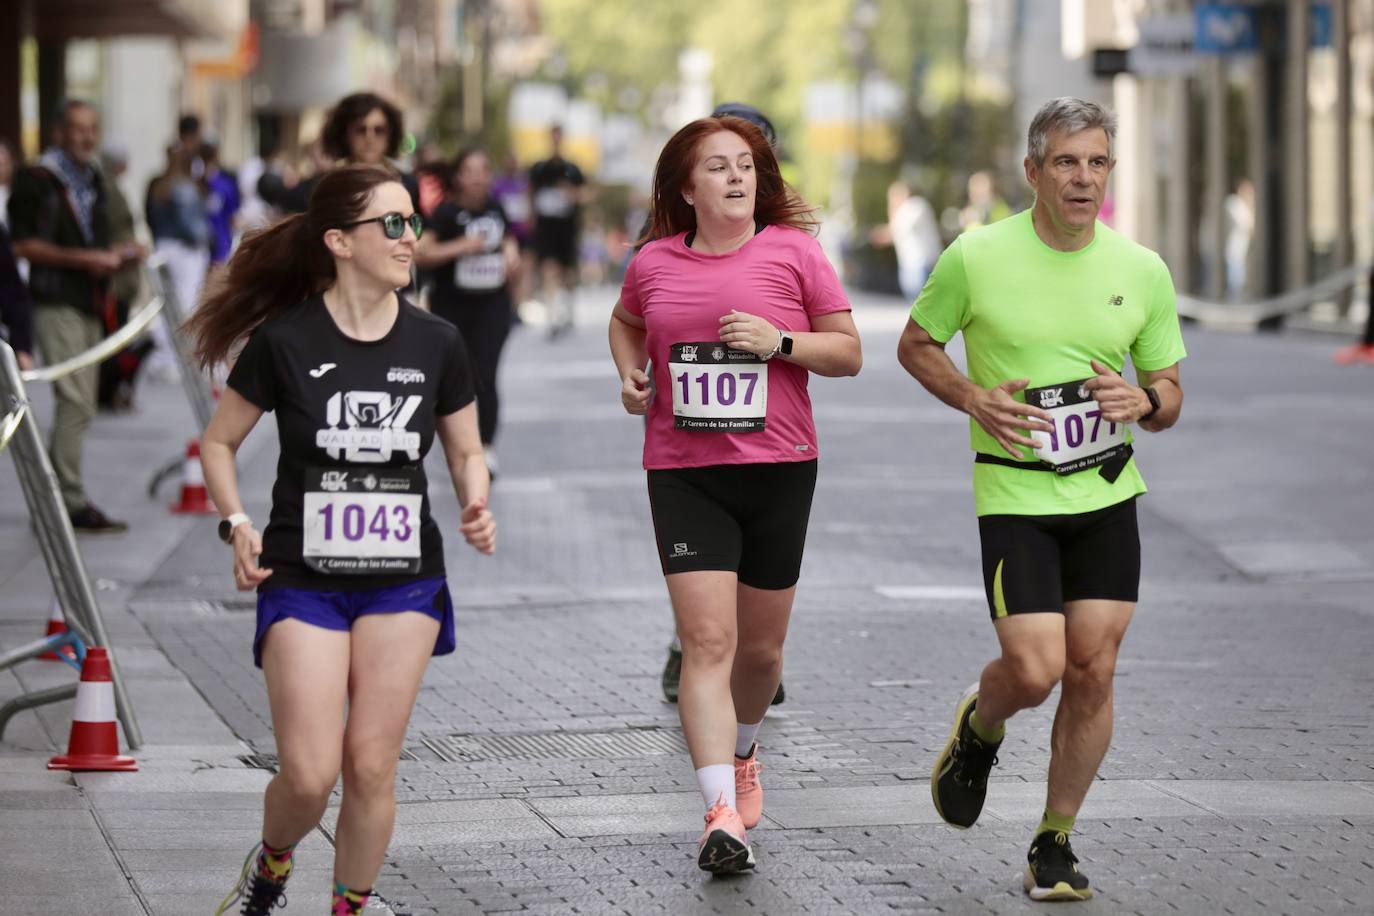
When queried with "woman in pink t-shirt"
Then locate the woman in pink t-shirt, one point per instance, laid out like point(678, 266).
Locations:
point(730, 306)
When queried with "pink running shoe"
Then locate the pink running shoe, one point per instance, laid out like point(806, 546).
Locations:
point(748, 789)
point(724, 846)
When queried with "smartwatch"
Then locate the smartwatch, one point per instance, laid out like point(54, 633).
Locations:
point(1154, 403)
point(784, 343)
point(227, 525)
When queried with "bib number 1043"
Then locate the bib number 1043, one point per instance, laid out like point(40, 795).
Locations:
point(362, 521)
point(717, 389)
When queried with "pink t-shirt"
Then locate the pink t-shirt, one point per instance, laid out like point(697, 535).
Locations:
point(780, 275)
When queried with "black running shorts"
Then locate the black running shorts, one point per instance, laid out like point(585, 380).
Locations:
point(749, 519)
point(555, 240)
point(1038, 562)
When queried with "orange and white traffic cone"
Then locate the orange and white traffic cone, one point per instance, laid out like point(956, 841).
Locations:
point(94, 742)
point(57, 624)
point(195, 500)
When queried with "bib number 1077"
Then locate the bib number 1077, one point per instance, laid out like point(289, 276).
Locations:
point(1081, 437)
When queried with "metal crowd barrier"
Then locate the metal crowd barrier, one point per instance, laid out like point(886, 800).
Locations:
point(53, 528)
point(195, 382)
point(1251, 314)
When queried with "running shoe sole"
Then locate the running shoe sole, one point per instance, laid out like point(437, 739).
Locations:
point(724, 854)
point(965, 699)
point(1060, 893)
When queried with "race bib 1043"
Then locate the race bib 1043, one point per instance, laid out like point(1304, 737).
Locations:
point(362, 521)
point(717, 389)
point(1081, 438)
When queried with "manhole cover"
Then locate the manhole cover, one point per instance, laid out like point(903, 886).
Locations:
point(557, 745)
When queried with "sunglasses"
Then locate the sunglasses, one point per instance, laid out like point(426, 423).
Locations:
point(393, 224)
point(376, 130)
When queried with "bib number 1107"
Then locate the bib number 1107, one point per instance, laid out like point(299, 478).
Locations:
point(717, 389)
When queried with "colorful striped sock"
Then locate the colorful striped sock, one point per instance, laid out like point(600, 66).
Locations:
point(348, 902)
point(275, 864)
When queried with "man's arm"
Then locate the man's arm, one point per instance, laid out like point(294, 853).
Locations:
point(1002, 416)
point(97, 261)
point(1166, 384)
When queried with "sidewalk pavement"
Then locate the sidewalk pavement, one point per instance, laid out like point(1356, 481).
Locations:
point(544, 774)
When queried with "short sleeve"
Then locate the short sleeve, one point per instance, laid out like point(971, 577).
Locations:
point(457, 388)
point(1160, 343)
point(24, 202)
point(942, 307)
point(629, 290)
point(822, 293)
point(254, 373)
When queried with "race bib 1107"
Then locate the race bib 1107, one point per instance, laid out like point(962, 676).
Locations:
point(717, 389)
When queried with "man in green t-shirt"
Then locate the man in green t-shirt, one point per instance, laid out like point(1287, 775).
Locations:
point(1050, 302)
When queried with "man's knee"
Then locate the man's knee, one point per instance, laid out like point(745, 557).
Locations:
point(1034, 675)
point(1089, 676)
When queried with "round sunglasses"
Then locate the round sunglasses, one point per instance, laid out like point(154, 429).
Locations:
point(393, 224)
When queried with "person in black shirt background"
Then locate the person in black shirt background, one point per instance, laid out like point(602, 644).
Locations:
point(556, 187)
point(472, 254)
point(352, 596)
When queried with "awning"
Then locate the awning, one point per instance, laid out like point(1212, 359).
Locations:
point(58, 20)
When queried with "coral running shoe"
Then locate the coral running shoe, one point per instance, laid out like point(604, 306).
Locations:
point(724, 846)
point(748, 789)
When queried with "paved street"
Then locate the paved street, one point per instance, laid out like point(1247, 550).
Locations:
point(544, 773)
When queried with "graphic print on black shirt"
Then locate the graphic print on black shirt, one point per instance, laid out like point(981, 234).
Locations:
point(355, 420)
point(479, 274)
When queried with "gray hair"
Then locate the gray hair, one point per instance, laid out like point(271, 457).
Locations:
point(1070, 115)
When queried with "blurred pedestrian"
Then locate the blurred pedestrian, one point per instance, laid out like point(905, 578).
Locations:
point(362, 129)
point(914, 235)
point(734, 304)
point(984, 205)
point(556, 192)
point(59, 222)
point(180, 224)
point(16, 311)
point(352, 595)
point(1240, 227)
point(472, 255)
point(511, 188)
point(222, 202)
point(119, 373)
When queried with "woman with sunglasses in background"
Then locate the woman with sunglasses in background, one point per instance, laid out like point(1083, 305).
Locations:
point(363, 129)
point(352, 596)
point(471, 255)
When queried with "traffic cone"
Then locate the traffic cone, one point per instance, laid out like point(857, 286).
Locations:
point(94, 743)
point(57, 624)
point(194, 498)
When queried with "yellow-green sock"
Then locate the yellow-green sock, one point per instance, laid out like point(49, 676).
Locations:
point(989, 735)
point(1059, 823)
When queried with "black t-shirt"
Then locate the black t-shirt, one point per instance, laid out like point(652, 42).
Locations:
point(354, 422)
point(553, 183)
point(478, 276)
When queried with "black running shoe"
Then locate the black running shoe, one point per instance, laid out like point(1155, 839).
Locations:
point(90, 520)
point(672, 674)
point(1052, 872)
point(959, 783)
point(260, 895)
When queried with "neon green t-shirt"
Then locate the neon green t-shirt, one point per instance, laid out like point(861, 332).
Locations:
point(1029, 311)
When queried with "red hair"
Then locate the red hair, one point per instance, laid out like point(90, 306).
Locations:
point(775, 204)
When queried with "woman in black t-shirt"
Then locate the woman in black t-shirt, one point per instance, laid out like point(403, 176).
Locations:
point(352, 598)
point(471, 254)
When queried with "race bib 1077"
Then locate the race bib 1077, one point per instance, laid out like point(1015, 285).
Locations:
point(717, 389)
point(1081, 438)
point(362, 521)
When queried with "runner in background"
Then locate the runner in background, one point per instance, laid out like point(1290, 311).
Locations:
point(556, 190)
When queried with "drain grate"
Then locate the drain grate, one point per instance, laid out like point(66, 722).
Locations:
point(647, 742)
point(270, 762)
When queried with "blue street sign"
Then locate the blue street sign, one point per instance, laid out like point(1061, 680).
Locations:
point(1233, 28)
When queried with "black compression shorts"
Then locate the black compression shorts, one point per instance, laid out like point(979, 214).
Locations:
point(1037, 562)
point(749, 519)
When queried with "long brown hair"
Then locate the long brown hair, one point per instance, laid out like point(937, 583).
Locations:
point(281, 265)
point(774, 202)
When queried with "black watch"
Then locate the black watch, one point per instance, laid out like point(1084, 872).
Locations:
point(1154, 403)
point(227, 525)
point(784, 343)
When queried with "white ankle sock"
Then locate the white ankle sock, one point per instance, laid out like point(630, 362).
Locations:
point(744, 739)
point(717, 781)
